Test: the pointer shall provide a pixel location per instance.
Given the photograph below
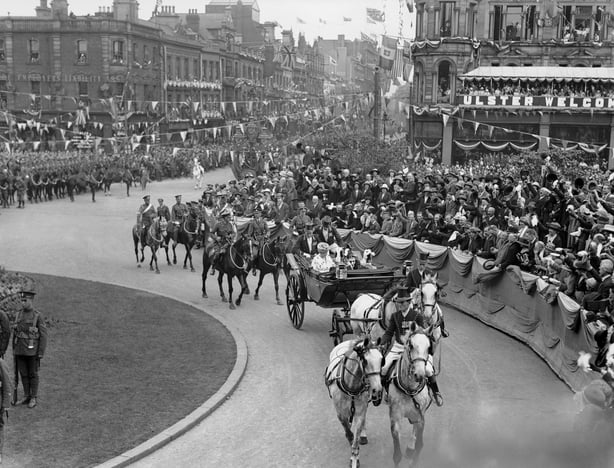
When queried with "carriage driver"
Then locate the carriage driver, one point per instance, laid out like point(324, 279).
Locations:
point(398, 333)
point(258, 234)
point(223, 235)
point(145, 216)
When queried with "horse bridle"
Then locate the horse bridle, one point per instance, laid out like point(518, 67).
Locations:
point(185, 226)
point(245, 263)
point(275, 257)
point(410, 347)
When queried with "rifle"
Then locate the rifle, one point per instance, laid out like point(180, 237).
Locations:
point(16, 383)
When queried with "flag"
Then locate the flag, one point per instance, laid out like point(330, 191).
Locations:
point(370, 21)
point(387, 52)
point(408, 73)
point(366, 38)
point(321, 21)
point(375, 15)
point(346, 19)
point(300, 21)
point(331, 60)
point(158, 5)
point(397, 67)
point(410, 5)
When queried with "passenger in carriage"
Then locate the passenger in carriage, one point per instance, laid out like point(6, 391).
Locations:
point(322, 263)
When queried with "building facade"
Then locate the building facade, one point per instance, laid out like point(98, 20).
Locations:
point(466, 51)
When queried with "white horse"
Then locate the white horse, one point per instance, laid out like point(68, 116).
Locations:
point(596, 400)
point(353, 380)
point(370, 316)
point(408, 393)
point(430, 310)
point(197, 174)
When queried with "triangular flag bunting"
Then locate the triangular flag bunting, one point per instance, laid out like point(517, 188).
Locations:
point(476, 125)
point(445, 118)
point(183, 134)
point(36, 145)
point(175, 151)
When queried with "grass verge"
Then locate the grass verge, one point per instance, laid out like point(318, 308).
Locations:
point(121, 365)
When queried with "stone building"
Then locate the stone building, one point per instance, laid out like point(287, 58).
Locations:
point(466, 51)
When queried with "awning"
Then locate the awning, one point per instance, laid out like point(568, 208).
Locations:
point(541, 73)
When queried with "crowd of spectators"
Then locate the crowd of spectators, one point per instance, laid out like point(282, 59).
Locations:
point(553, 222)
point(537, 88)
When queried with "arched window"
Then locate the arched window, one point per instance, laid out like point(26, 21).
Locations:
point(444, 82)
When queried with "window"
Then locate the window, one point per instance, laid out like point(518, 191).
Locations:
point(600, 22)
point(564, 24)
point(3, 94)
point(420, 22)
point(444, 76)
point(146, 57)
point(471, 20)
point(154, 54)
point(81, 51)
point(118, 51)
point(205, 76)
point(83, 89)
point(178, 68)
point(119, 89)
point(35, 90)
point(196, 69)
point(530, 19)
point(135, 54)
point(582, 23)
point(496, 24)
point(33, 49)
point(2, 52)
point(513, 23)
point(446, 12)
point(186, 69)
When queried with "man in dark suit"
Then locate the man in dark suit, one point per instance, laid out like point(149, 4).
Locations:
point(604, 282)
point(306, 242)
point(327, 233)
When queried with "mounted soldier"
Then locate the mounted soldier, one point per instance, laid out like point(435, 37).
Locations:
point(257, 234)
point(145, 216)
point(223, 235)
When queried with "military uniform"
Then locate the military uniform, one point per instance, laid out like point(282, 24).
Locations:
point(145, 217)
point(257, 233)
point(29, 343)
point(223, 235)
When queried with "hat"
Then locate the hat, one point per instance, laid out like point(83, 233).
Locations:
point(179, 196)
point(403, 294)
point(309, 225)
point(27, 293)
point(322, 247)
point(384, 186)
point(326, 220)
point(225, 212)
point(526, 220)
point(423, 256)
point(555, 226)
point(160, 199)
point(146, 197)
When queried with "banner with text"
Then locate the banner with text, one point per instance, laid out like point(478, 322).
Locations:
point(536, 101)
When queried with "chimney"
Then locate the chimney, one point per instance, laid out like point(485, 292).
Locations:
point(192, 20)
point(59, 9)
point(43, 10)
point(126, 10)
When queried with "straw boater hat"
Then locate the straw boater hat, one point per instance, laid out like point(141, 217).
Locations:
point(322, 247)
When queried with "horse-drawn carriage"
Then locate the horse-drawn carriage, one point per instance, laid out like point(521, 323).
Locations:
point(329, 291)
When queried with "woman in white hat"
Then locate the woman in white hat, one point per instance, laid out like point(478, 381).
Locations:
point(322, 263)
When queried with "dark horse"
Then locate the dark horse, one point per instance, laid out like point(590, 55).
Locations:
point(269, 260)
point(186, 234)
point(233, 262)
point(154, 238)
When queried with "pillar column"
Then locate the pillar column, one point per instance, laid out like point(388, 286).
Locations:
point(611, 150)
point(544, 131)
point(446, 144)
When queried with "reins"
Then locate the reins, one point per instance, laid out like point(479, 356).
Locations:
point(185, 227)
point(263, 256)
point(232, 260)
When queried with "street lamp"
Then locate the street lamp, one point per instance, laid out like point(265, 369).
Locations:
point(384, 120)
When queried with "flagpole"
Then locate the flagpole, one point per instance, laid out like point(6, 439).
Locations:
point(377, 103)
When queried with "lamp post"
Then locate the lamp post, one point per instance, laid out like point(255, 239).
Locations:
point(384, 120)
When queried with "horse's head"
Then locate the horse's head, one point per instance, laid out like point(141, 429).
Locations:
point(162, 225)
point(430, 291)
point(372, 361)
point(417, 351)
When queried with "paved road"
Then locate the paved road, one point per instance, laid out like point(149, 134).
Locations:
point(498, 394)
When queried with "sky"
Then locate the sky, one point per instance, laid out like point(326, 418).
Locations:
point(323, 18)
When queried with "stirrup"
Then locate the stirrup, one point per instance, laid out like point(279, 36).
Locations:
point(444, 333)
point(438, 398)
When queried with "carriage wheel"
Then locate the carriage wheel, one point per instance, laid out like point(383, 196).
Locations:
point(294, 304)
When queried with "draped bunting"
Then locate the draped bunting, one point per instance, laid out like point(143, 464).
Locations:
point(460, 262)
point(431, 148)
point(525, 281)
point(522, 148)
point(570, 310)
point(467, 146)
point(494, 147)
